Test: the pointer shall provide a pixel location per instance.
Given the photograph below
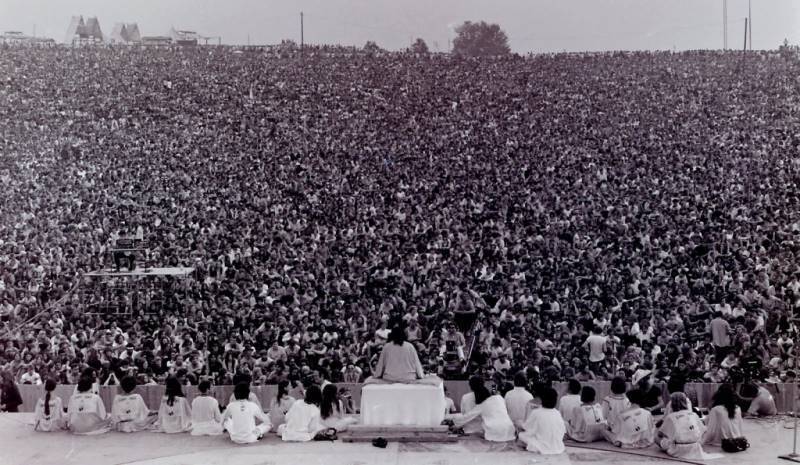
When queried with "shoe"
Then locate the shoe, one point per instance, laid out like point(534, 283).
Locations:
point(380, 442)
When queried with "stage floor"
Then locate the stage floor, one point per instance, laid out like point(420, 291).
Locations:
point(19, 445)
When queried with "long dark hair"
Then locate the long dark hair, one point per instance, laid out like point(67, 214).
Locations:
point(313, 395)
point(283, 389)
point(726, 397)
point(330, 400)
point(49, 387)
point(173, 390)
point(397, 335)
point(476, 384)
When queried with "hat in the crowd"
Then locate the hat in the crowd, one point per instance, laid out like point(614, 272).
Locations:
point(640, 375)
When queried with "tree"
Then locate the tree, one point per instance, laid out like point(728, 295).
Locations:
point(480, 40)
point(371, 47)
point(419, 46)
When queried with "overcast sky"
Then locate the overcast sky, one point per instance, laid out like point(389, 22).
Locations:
point(532, 25)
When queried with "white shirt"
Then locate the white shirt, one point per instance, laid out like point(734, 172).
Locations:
point(129, 413)
point(497, 425)
point(567, 403)
point(206, 419)
point(544, 431)
point(302, 422)
point(30, 378)
point(517, 401)
point(243, 415)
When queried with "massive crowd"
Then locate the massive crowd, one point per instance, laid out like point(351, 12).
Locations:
point(584, 216)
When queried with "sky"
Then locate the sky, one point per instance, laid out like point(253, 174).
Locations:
point(531, 25)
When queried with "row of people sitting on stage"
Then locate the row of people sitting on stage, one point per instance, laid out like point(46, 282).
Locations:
point(320, 414)
point(620, 418)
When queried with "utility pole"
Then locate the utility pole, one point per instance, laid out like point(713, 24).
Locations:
point(750, 22)
point(745, 34)
point(724, 24)
point(302, 38)
point(34, 30)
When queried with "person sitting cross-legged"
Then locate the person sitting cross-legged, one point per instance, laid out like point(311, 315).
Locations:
point(635, 428)
point(544, 429)
point(240, 417)
point(206, 418)
point(129, 413)
point(681, 431)
point(586, 422)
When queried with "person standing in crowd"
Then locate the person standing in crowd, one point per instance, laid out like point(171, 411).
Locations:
point(518, 400)
point(586, 422)
point(129, 413)
point(49, 412)
point(544, 429)
point(303, 420)
point(174, 413)
point(240, 417)
point(491, 409)
point(206, 417)
point(720, 336)
point(10, 398)
point(86, 412)
point(596, 345)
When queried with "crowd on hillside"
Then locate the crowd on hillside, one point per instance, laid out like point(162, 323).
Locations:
point(579, 216)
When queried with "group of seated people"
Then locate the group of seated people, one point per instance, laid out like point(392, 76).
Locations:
point(319, 415)
point(625, 418)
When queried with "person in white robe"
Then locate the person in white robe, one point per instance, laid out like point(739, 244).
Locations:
point(89, 373)
point(206, 417)
point(399, 363)
point(303, 420)
point(467, 403)
point(174, 413)
point(617, 402)
point(724, 420)
point(518, 401)
point(491, 409)
point(586, 422)
point(568, 402)
point(682, 431)
point(129, 413)
point(635, 428)
point(252, 398)
point(86, 412)
point(240, 418)
point(332, 410)
point(544, 429)
point(280, 404)
point(49, 412)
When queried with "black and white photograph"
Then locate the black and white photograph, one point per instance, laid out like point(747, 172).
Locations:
point(417, 232)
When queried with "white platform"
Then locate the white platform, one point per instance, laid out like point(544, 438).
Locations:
point(402, 404)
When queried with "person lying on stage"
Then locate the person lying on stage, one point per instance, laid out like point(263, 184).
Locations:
point(206, 418)
point(174, 413)
point(240, 417)
point(586, 422)
point(303, 420)
point(616, 403)
point(682, 431)
point(491, 409)
point(635, 428)
point(49, 413)
point(399, 363)
point(544, 429)
point(332, 410)
point(129, 413)
point(86, 412)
